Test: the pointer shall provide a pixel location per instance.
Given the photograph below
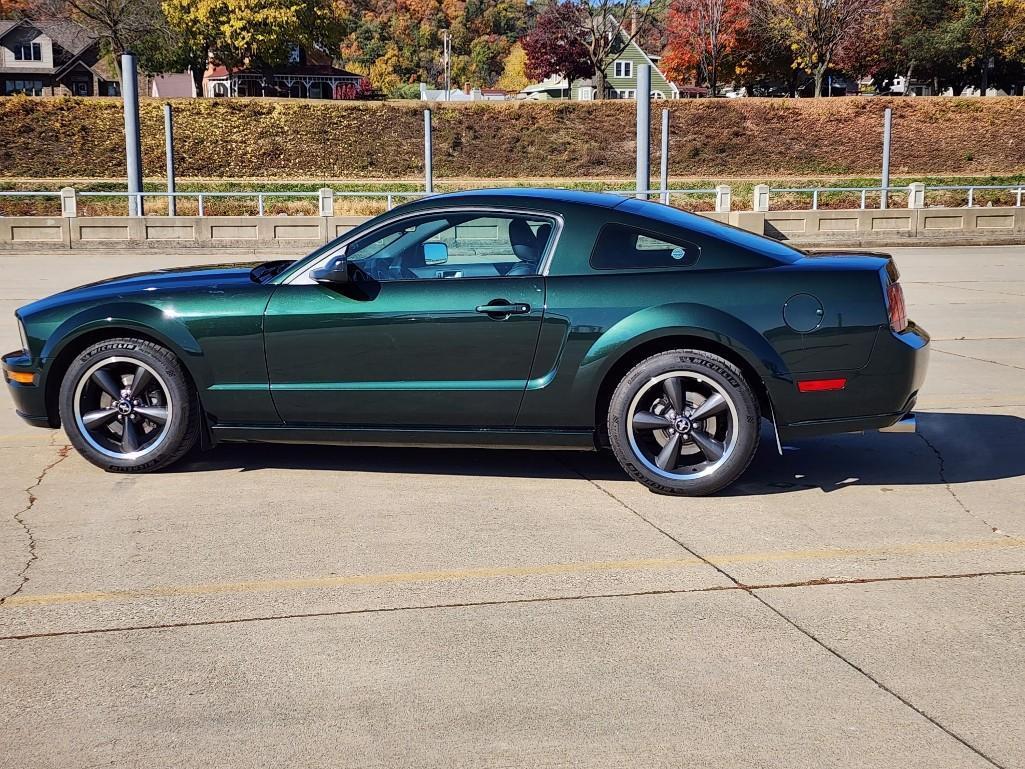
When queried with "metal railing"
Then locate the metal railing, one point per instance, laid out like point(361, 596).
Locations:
point(721, 195)
point(971, 188)
point(815, 192)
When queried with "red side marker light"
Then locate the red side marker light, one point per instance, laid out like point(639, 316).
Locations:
point(821, 385)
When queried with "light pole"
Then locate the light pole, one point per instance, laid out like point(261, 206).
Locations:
point(446, 57)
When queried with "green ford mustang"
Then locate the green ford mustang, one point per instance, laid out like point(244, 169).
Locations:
point(503, 318)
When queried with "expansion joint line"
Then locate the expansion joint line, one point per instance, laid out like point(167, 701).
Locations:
point(753, 591)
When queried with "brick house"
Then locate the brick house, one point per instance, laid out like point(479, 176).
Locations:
point(53, 58)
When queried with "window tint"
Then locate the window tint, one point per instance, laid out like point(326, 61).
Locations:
point(454, 245)
point(626, 248)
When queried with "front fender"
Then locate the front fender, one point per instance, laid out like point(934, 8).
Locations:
point(122, 318)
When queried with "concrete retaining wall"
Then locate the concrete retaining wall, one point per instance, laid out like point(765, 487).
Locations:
point(291, 233)
point(897, 226)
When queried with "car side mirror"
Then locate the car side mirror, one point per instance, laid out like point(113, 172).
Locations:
point(335, 272)
point(435, 253)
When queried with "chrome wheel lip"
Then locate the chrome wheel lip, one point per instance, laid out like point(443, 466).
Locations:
point(85, 432)
point(731, 435)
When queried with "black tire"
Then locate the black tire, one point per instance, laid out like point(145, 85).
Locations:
point(121, 438)
point(643, 421)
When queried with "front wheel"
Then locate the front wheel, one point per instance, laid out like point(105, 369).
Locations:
point(684, 422)
point(128, 406)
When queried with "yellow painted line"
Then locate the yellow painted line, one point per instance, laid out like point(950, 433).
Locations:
point(362, 580)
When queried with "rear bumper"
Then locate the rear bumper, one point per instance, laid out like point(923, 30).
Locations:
point(29, 397)
point(881, 396)
point(906, 424)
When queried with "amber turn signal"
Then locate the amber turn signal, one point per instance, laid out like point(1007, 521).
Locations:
point(21, 377)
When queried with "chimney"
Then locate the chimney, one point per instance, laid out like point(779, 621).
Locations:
point(633, 21)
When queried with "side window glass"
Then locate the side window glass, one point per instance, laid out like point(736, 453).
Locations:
point(625, 248)
point(456, 245)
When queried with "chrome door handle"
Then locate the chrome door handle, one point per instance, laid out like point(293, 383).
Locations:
point(503, 308)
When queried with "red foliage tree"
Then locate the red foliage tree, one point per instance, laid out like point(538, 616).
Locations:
point(552, 48)
point(703, 37)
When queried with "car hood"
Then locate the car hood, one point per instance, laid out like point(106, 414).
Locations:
point(207, 278)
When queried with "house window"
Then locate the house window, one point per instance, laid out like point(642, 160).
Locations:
point(626, 93)
point(28, 52)
point(586, 93)
point(220, 89)
point(656, 95)
point(623, 69)
point(27, 87)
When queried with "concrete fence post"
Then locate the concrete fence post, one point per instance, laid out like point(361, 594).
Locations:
point(723, 198)
point(916, 195)
point(327, 201)
point(69, 202)
point(760, 198)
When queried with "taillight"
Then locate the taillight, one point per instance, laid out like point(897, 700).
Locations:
point(898, 310)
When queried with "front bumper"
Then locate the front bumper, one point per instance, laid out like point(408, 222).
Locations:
point(29, 396)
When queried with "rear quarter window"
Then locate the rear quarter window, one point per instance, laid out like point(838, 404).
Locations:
point(619, 247)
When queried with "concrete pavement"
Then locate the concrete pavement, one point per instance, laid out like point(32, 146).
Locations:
point(857, 602)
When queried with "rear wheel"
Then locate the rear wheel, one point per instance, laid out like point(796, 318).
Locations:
point(128, 406)
point(684, 422)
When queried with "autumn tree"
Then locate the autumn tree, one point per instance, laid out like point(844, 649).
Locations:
point(815, 31)
point(253, 33)
point(703, 37)
point(119, 25)
point(514, 70)
point(14, 9)
point(552, 47)
point(579, 34)
point(398, 42)
point(994, 29)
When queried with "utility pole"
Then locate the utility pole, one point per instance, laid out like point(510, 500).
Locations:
point(643, 131)
point(885, 194)
point(133, 151)
point(428, 155)
point(446, 57)
point(169, 153)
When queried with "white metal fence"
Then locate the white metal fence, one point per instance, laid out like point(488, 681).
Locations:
point(915, 195)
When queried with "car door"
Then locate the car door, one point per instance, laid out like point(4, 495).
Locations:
point(437, 326)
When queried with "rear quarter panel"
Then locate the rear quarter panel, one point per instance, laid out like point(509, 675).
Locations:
point(593, 320)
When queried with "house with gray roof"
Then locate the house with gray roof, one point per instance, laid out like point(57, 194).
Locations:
point(53, 58)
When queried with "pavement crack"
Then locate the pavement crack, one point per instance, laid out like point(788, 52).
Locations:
point(735, 587)
point(19, 517)
point(979, 360)
point(942, 469)
point(754, 593)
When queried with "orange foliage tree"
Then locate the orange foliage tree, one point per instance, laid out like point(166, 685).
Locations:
point(703, 36)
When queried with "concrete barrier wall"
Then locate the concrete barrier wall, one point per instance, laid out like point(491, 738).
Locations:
point(853, 228)
point(291, 233)
point(895, 226)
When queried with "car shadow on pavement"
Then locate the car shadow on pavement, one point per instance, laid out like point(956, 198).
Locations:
point(949, 448)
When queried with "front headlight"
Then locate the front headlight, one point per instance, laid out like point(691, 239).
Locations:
point(22, 334)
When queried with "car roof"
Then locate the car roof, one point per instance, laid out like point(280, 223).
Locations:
point(525, 194)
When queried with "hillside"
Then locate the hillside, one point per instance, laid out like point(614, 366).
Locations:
point(720, 138)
